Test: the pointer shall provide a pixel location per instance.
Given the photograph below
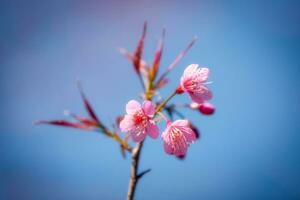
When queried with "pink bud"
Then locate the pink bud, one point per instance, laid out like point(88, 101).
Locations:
point(207, 108)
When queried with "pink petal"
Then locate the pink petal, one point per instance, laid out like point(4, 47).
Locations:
point(152, 130)
point(189, 134)
point(132, 106)
point(181, 122)
point(168, 148)
point(203, 74)
point(164, 135)
point(149, 108)
point(190, 70)
point(181, 151)
point(138, 137)
point(202, 96)
point(206, 93)
point(126, 124)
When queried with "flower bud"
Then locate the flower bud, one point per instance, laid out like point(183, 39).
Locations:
point(207, 108)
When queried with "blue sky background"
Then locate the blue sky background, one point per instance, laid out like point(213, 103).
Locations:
point(248, 150)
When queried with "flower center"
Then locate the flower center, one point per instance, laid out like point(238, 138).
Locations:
point(140, 119)
point(190, 85)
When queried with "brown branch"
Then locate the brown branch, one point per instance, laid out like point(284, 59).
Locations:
point(134, 177)
point(135, 157)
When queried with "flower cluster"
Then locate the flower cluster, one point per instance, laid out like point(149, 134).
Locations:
point(178, 135)
point(141, 119)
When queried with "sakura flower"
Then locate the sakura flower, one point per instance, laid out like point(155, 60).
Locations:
point(177, 137)
point(138, 122)
point(193, 81)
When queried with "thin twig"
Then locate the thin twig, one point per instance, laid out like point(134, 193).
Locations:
point(161, 106)
point(134, 177)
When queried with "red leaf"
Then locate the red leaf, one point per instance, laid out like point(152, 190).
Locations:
point(177, 59)
point(157, 56)
point(62, 123)
point(162, 83)
point(86, 121)
point(139, 50)
point(181, 55)
point(131, 57)
point(88, 106)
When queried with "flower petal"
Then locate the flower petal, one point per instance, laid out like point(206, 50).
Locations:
point(181, 122)
point(199, 97)
point(190, 70)
point(181, 150)
point(126, 124)
point(138, 137)
point(132, 106)
point(152, 130)
point(148, 108)
point(168, 148)
point(189, 134)
point(203, 74)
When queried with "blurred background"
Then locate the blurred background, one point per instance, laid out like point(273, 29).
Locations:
point(249, 149)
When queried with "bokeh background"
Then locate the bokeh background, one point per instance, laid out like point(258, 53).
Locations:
point(248, 150)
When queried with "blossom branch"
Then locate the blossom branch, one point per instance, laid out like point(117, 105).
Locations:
point(141, 120)
point(135, 157)
point(134, 177)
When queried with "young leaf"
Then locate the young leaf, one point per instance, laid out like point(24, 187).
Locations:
point(62, 123)
point(87, 105)
point(139, 50)
point(157, 57)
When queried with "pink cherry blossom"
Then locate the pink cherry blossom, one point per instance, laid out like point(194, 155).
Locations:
point(193, 81)
point(138, 122)
point(177, 137)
